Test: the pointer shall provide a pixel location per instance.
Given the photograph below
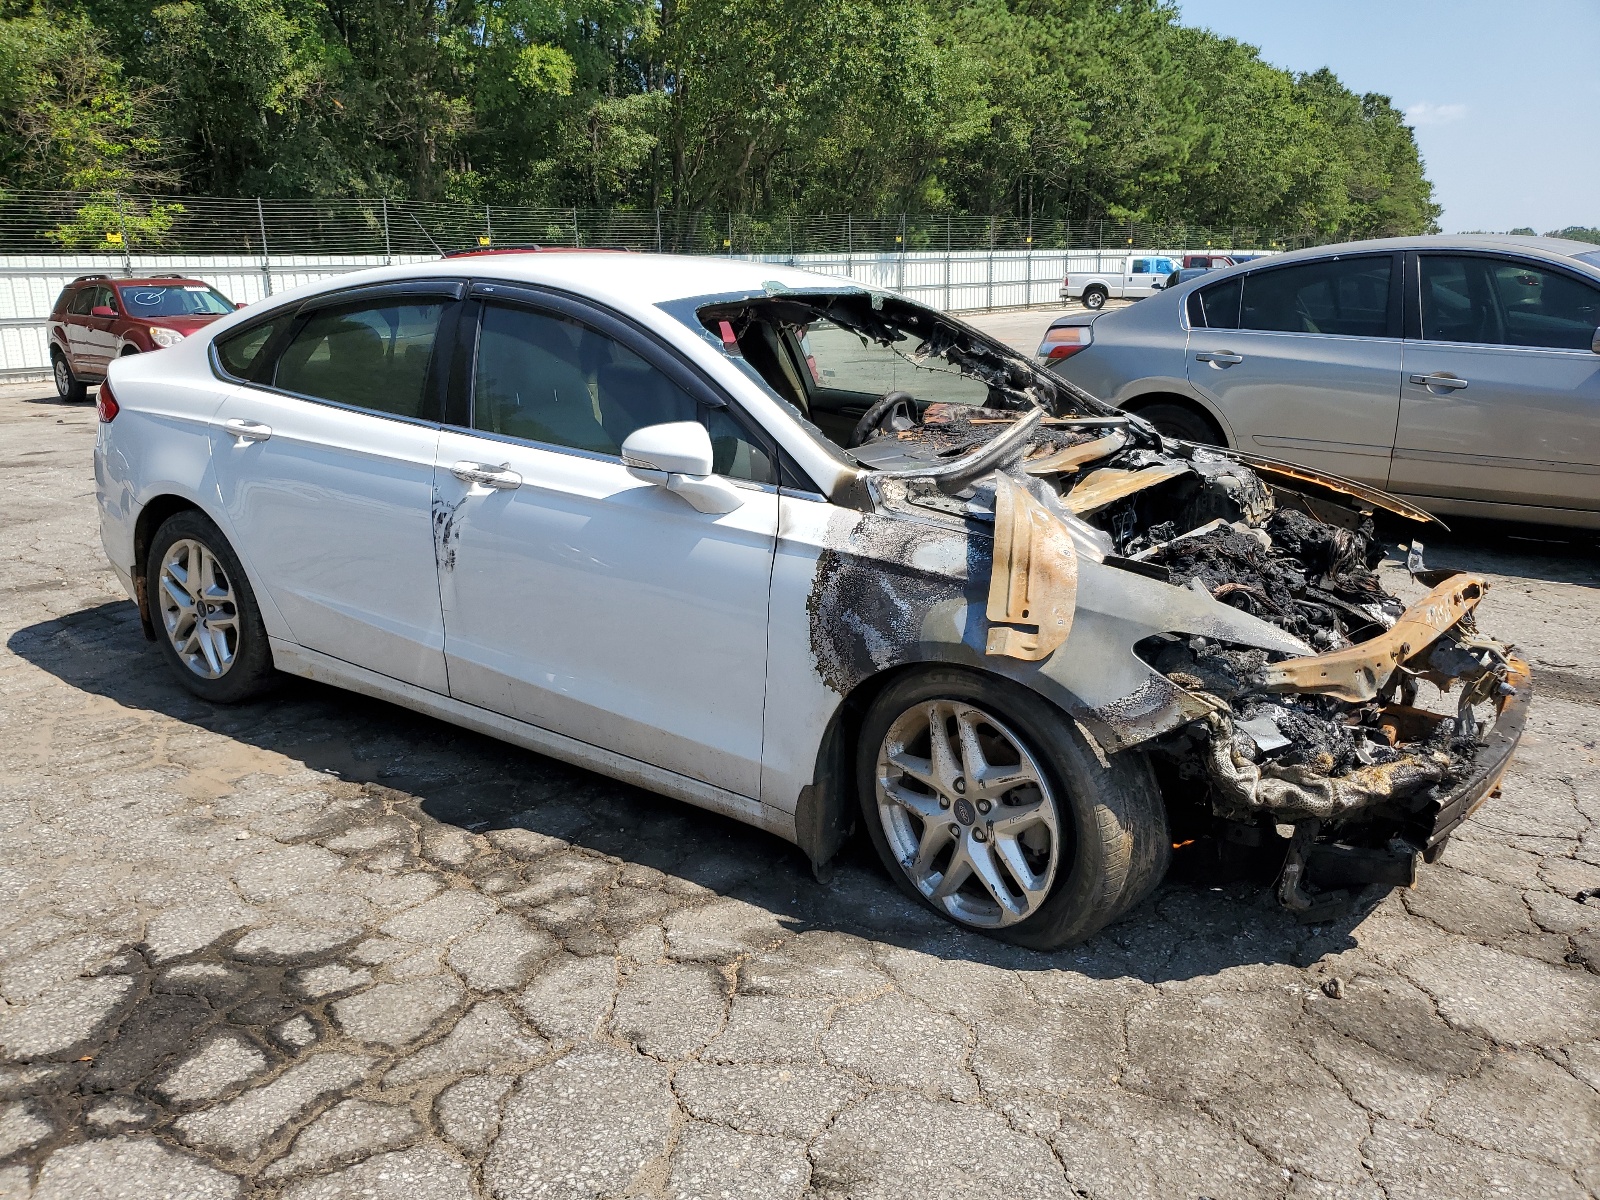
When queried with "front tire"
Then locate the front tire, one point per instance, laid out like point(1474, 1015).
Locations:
point(988, 805)
point(1095, 297)
point(210, 628)
point(68, 385)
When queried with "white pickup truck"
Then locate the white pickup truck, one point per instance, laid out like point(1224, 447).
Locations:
point(1128, 279)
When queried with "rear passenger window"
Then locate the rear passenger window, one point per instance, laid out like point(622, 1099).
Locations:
point(82, 301)
point(548, 379)
point(1215, 307)
point(373, 357)
point(1348, 296)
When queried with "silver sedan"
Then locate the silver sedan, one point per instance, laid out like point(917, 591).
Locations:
point(1460, 372)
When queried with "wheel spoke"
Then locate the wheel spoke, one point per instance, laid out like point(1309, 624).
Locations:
point(946, 765)
point(1011, 819)
point(925, 807)
point(1009, 852)
point(920, 769)
point(209, 649)
point(988, 873)
point(175, 592)
point(955, 874)
point(935, 837)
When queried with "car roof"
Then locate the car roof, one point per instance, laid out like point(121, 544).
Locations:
point(631, 278)
point(1562, 248)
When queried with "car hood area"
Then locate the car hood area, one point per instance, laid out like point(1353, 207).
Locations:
point(1222, 611)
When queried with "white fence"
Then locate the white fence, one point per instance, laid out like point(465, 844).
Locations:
point(958, 281)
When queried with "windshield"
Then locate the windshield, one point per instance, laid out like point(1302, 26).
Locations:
point(176, 300)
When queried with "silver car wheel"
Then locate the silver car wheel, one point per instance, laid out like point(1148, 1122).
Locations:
point(968, 814)
point(198, 609)
point(63, 375)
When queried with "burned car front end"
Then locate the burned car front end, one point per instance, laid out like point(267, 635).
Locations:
point(1222, 614)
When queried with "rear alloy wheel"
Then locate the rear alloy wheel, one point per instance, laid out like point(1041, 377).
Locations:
point(212, 631)
point(68, 386)
point(1095, 297)
point(990, 806)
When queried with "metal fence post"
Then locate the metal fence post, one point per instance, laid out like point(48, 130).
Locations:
point(266, 254)
point(849, 248)
point(658, 230)
point(488, 225)
point(122, 232)
point(989, 304)
point(900, 273)
point(388, 257)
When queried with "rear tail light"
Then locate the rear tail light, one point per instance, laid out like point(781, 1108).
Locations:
point(1063, 341)
point(106, 404)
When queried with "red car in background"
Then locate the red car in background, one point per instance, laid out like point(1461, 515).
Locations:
point(98, 318)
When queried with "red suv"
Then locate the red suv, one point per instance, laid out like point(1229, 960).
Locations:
point(98, 318)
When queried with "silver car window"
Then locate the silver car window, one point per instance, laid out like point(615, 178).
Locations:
point(1505, 302)
point(1347, 296)
point(373, 357)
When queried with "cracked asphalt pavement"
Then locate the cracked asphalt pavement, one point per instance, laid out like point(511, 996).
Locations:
point(320, 947)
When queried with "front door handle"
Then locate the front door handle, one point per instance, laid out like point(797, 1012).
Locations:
point(1449, 382)
point(489, 476)
point(248, 431)
point(1218, 358)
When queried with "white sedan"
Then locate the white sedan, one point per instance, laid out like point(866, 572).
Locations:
point(793, 551)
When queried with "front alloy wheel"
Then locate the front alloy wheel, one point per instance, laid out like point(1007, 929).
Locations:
point(198, 608)
point(968, 813)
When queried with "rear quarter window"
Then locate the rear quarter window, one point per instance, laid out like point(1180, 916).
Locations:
point(242, 354)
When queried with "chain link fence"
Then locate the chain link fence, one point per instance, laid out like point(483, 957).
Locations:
point(252, 249)
point(111, 222)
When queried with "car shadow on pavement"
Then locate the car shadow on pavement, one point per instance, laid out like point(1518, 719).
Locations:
point(1188, 929)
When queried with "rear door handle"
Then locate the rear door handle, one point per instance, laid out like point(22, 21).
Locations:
point(248, 431)
point(1219, 358)
point(499, 477)
point(1440, 381)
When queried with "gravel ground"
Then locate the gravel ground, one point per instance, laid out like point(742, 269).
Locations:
point(320, 947)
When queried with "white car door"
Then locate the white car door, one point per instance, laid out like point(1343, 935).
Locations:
point(325, 469)
point(577, 597)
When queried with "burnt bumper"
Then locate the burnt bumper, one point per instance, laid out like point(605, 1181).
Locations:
point(1489, 768)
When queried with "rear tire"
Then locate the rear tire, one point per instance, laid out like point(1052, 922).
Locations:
point(208, 624)
point(68, 385)
point(1099, 826)
point(1095, 297)
point(1178, 421)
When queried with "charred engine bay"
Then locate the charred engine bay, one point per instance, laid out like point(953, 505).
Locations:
point(1302, 560)
point(1335, 738)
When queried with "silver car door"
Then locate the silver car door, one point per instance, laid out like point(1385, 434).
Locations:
point(1303, 360)
point(1501, 395)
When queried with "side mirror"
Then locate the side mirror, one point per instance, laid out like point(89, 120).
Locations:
point(1594, 342)
point(677, 456)
point(102, 310)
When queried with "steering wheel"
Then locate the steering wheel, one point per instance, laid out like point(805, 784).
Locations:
point(893, 412)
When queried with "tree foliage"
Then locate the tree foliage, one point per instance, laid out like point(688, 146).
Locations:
point(1058, 109)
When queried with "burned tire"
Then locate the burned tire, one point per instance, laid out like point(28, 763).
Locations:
point(988, 805)
point(207, 622)
point(1095, 297)
point(68, 385)
point(1179, 421)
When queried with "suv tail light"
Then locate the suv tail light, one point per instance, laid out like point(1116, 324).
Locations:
point(1063, 341)
point(106, 404)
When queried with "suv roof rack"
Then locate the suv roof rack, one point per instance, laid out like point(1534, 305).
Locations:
point(86, 278)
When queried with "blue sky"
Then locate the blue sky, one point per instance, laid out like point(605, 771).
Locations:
point(1505, 97)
